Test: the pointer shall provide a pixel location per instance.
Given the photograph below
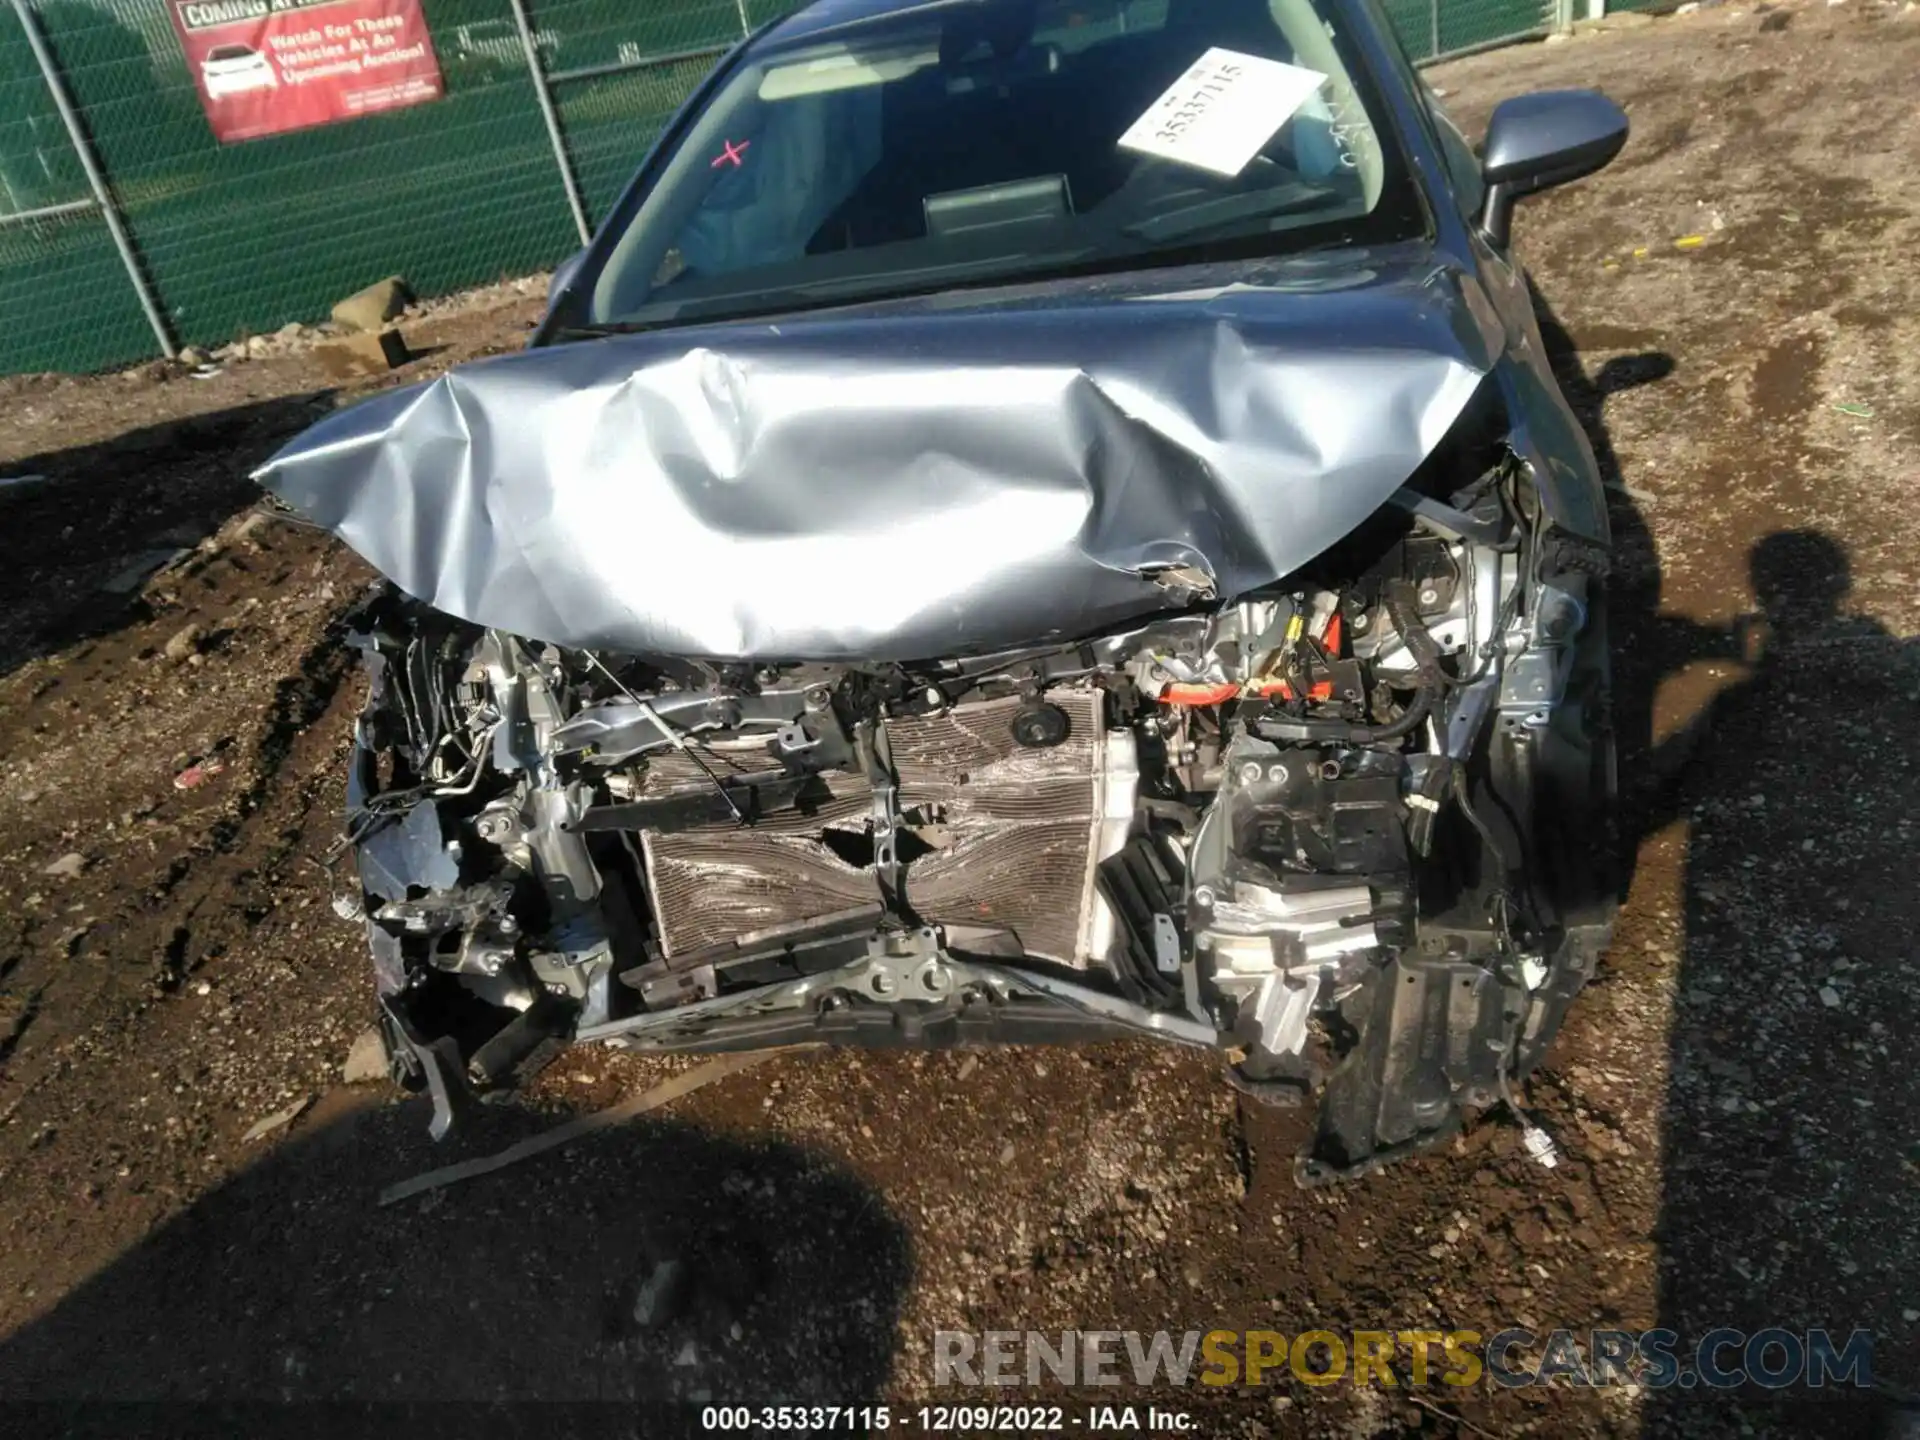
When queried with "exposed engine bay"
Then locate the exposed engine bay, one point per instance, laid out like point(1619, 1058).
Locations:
point(1350, 829)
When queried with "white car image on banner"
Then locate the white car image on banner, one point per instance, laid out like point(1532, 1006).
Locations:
point(236, 70)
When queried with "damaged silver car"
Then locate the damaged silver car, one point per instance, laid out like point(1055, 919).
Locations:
point(1033, 520)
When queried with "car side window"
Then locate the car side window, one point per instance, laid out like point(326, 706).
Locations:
point(1463, 166)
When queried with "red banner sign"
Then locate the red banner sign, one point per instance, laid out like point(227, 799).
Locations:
point(267, 66)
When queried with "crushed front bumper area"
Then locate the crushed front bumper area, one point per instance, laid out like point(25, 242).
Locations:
point(905, 989)
point(1351, 833)
point(1431, 1036)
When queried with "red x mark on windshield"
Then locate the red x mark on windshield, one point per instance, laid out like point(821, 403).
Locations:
point(732, 152)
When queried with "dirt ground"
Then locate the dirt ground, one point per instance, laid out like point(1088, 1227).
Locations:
point(1735, 1095)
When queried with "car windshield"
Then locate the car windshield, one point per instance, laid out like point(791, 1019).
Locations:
point(230, 52)
point(971, 141)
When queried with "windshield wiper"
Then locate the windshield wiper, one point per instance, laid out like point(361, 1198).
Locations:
point(854, 289)
point(597, 332)
point(1177, 224)
point(665, 313)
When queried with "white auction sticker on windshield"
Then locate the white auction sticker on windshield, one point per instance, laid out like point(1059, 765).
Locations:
point(1219, 114)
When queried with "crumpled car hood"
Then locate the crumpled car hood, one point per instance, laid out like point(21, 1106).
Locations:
point(914, 479)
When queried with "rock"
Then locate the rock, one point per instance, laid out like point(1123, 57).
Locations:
point(1528, 1232)
point(1775, 21)
point(1007, 1153)
point(1829, 997)
point(279, 1120)
point(372, 307)
point(192, 355)
point(252, 527)
point(367, 1060)
point(259, 347)
point(661, 1296)
point(67, 866)
point(364, 354)
point(184, 643)
point(125, 582)
point(196, 775)
point(293, 330)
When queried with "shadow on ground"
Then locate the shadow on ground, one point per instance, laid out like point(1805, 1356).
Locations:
point(1794, 1072)
point(77, 544)
point(1797, 787)
point(495, 1299)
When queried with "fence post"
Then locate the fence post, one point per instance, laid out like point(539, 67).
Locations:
point(83, 147)
point(746, 25)
point(547, 113)
point(1433, 28)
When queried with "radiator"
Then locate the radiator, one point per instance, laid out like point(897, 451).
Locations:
point(1017, 836)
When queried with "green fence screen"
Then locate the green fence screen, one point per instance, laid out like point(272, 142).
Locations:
point(465, 190)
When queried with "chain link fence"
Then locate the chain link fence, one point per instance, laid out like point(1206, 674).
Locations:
point(496, 178)
point(1435, 29)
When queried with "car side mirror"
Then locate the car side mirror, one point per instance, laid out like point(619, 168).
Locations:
point(1535, 142)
